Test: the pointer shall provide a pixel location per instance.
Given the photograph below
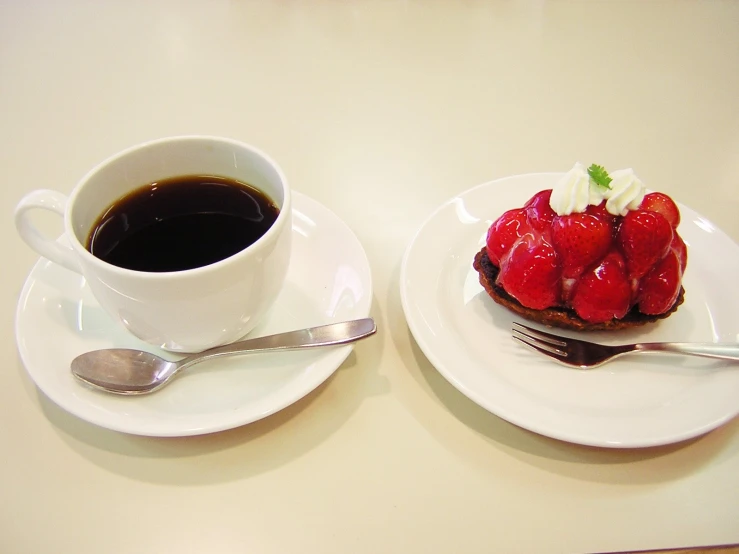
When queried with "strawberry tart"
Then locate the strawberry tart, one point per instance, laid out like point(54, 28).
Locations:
point(596, 252)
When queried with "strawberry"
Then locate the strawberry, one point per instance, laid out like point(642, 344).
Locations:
point(504, 233)
point(541, 197)
point(531, 274)
point(604, 292)
point(662, 204)
point(644, 238)
point(539, 211)
point(659, 288)
point(680, 250)
point(580, 240)
point(600, 212)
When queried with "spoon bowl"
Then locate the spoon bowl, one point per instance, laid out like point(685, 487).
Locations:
point(135, 372)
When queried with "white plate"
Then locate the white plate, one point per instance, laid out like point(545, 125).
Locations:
point(636, 401)
point(329, 280)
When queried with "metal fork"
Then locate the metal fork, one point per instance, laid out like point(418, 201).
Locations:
point(586, 355)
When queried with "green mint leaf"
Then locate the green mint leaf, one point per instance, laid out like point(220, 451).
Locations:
point(600, 176)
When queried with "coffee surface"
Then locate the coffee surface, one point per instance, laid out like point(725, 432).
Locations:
point(181, 223)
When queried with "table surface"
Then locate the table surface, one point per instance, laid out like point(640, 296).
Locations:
point(381, 111)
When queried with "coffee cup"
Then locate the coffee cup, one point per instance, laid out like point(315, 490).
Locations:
point(204, 301)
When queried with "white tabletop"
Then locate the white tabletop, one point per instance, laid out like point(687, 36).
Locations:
point(380, 111)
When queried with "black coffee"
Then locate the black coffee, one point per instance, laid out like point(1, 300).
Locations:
point(181, 223)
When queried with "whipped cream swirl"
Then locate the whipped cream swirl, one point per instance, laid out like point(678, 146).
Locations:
point(626, 192)
point(575, 191)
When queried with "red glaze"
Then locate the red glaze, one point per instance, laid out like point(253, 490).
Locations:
point(531, 274)
point(601, 212)
point(539, 212)
point(680, 250)
point(644, 238)
point(604, 292)
point(659, 288)
point(662, 204)
point(505, 232)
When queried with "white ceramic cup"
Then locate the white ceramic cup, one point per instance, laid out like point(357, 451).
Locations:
point(182, 311)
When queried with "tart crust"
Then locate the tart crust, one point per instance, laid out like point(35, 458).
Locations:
point(559, 317)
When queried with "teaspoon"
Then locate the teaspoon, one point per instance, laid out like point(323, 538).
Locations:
point(127, 371)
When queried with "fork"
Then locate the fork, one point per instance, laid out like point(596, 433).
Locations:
point(587, 355)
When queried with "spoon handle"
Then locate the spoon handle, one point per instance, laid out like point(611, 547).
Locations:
point(325, 335)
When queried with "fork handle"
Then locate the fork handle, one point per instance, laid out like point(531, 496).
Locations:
point(703, 350)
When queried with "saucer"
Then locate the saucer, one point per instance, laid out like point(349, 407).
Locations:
point(329, 280)
point(635, 401)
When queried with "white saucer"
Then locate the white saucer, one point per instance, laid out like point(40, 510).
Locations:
point(329, 280)
point(636, 401)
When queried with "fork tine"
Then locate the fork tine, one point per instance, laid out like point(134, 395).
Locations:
point(546, 337)
point(542, 345)
point(557, 357)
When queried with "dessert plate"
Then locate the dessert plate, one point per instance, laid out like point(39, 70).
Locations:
point(329, 280)
point(635, 401)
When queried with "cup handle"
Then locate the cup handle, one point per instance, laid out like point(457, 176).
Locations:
point(50, 249)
